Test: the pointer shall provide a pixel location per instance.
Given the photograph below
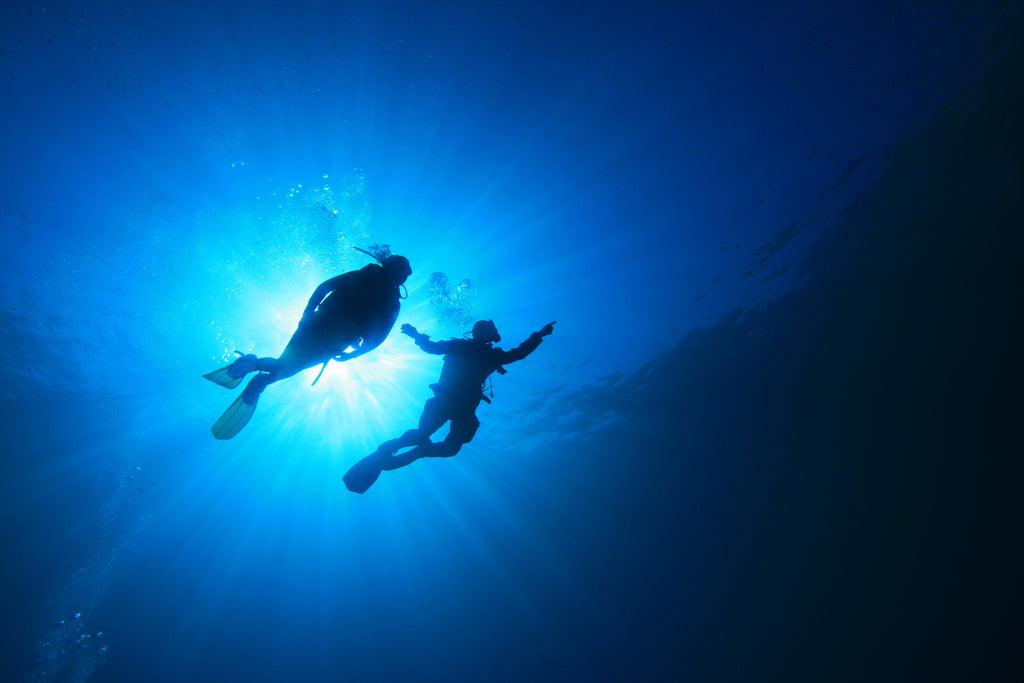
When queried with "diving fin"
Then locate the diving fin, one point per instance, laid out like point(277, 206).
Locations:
point(238, 413)
point(231, 374)
point(234, 418)
point(364, 473)
point(222, 377)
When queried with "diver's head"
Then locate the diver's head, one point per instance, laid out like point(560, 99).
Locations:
point(397, 269)
point(485, 331)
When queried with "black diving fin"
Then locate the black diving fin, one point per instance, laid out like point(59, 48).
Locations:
point(362, 475)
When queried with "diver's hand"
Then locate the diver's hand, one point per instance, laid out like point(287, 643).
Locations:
point(410, 330)
point(547, 329)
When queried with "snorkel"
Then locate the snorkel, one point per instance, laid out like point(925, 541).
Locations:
point(382, 252)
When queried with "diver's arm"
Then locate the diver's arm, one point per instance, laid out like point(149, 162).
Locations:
point(319, 294)
point(424, 342)
point(343, 281)
point(528, 346)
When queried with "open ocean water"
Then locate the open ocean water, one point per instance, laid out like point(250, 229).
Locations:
point(774, 436)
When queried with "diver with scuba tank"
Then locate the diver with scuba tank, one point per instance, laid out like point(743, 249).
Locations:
point(354, 310)
point(467, 365)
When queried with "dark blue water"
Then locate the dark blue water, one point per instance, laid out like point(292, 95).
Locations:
point(772, 437)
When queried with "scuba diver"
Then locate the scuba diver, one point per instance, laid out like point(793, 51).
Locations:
point(467, 365)
point(354, 310)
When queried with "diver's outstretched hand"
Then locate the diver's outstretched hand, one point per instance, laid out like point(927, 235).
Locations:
point(548, 329)
point(409, 330)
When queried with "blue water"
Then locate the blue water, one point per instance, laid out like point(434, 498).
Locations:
point(771, 437)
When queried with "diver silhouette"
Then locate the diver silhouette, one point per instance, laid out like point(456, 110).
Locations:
point(467, 365)
point(355, 309)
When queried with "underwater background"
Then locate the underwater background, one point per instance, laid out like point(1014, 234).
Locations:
point(773, 436)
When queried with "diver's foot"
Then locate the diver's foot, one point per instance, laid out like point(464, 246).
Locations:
point(385, 451)
point(255, 387)
point(243, 366)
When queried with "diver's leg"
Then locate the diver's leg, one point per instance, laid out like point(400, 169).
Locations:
point(361, 476)
point(269, 370)
point(434, 415)
point(255, 387)
point(233, 373)
point(304, 350)
point(428, 449)
point(309, 347)
point(462, 431)
point(279, 368)
point(464, 426)
point(268, 364)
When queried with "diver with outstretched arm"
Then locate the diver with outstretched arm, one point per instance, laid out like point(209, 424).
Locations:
point(356, 309)
point(467, 365)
